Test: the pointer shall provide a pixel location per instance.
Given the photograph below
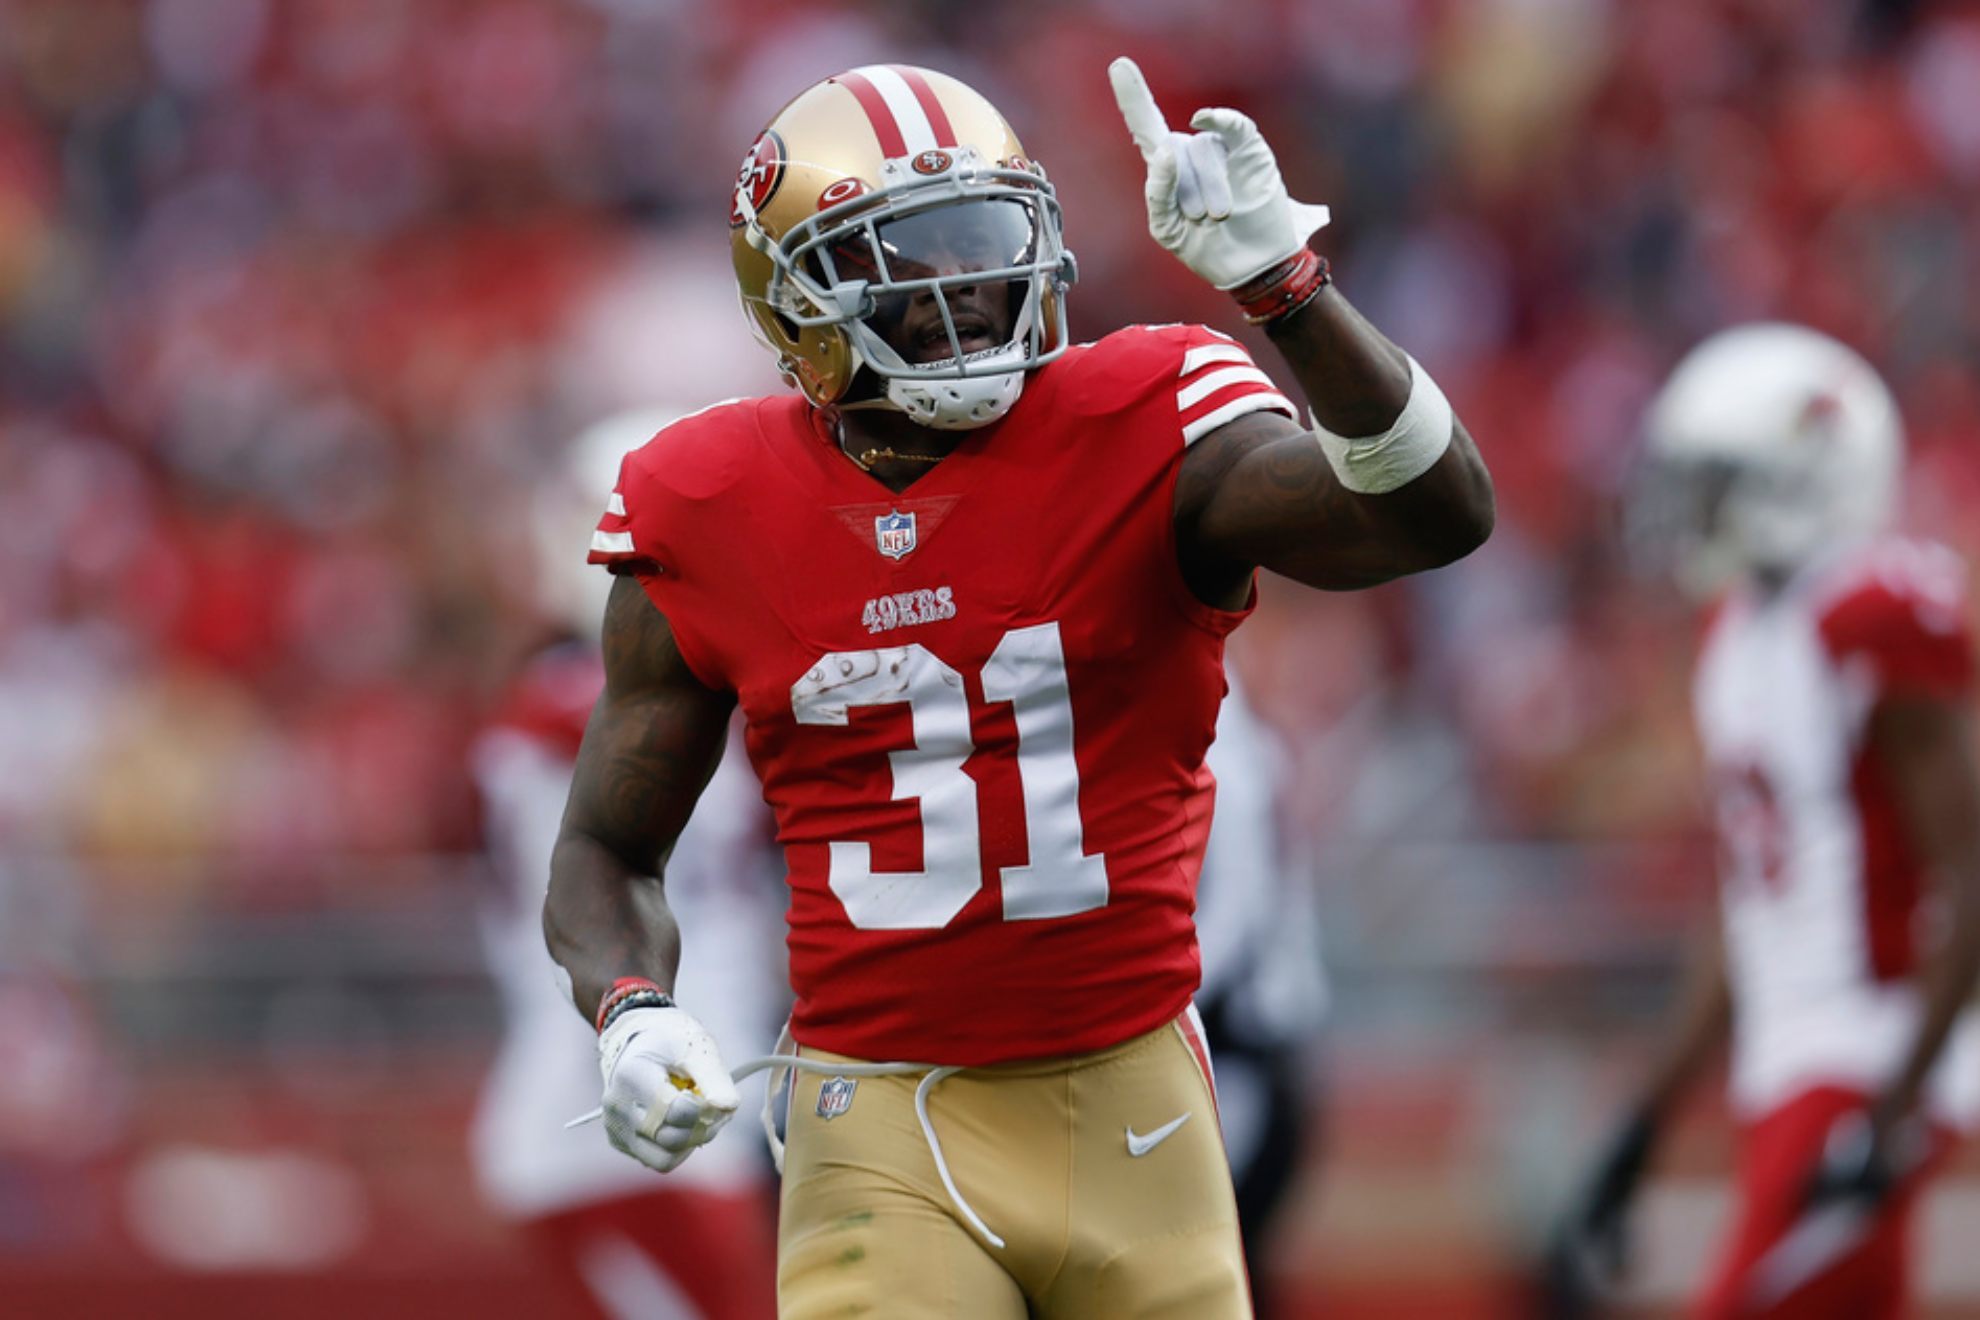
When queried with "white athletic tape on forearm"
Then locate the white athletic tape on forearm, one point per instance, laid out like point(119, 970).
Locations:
point(1377, 464)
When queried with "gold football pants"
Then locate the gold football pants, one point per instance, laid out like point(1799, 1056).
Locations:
point(1104, 1175)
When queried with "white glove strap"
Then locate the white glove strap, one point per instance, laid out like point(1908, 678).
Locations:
point(1378, 464)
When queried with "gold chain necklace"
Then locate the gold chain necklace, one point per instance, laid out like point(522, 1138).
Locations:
point(867, 458)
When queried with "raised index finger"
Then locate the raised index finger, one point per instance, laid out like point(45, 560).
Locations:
point(1144, 117)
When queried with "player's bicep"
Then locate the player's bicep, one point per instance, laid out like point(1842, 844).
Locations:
point(1259, 493)
point(1925, 746)
point(653, 739)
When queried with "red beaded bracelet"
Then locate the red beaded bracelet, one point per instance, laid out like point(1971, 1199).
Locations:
point(1285, 288)
point(625, 988)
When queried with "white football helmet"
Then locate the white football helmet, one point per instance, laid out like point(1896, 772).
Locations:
point(565, 508)
point(887, 188)
point(1768, 442)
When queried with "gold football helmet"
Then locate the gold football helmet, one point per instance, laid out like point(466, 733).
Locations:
point(888, 219)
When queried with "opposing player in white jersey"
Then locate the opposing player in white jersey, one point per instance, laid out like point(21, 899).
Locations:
point(700, 1241)
point(1834, 702)
point(1264, 993)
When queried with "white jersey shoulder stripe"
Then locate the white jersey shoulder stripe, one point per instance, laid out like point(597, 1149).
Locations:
point(612, 543)
point(616, 505)
point(1205, 354)
point(1206, 385)
point(1236, 408)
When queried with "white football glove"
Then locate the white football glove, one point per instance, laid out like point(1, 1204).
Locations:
point(666, 1091)
point(1215, 197)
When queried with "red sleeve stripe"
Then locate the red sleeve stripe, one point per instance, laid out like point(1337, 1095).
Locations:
point(931, 106)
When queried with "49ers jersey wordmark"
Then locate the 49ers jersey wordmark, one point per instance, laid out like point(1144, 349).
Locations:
point(979, 707)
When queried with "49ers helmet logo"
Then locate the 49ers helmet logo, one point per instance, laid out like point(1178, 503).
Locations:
point(932, 162)
point(762, 170)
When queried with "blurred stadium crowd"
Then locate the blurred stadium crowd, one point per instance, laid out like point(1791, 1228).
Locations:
point(299, 300)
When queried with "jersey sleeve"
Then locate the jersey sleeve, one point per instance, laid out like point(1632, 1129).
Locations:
point(665, 524)
point(1906, 621)
point(1219, 382)
point(612, 542)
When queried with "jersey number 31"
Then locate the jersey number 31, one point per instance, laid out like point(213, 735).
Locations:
point(1028, 669)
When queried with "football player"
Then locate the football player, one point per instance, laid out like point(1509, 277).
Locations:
point(1833, 697)
point(622, 1242)
point(970, 586)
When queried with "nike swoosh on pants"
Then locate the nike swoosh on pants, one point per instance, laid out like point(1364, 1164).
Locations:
point(1140, 1145)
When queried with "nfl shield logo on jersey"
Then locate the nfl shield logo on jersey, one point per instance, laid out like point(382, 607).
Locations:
point(894, 534)
point(835, 1097)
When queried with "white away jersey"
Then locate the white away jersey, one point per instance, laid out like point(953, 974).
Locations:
point(1821, 889)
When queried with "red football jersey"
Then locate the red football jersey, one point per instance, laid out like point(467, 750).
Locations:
point(979, 708)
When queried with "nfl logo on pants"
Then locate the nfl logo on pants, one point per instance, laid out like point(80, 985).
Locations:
point(894, 534)
point(835, 1097)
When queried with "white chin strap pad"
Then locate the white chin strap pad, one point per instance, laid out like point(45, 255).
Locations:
point(956, 405)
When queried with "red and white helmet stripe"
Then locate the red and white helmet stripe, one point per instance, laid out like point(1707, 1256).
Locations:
point(906, 115)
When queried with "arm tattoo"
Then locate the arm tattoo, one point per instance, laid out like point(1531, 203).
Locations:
point(1259, 492)
point(1256, 492)
point(653, 739)
point(652, 742)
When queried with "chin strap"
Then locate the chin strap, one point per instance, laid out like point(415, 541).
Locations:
point(957, 405)
point(942, 403)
